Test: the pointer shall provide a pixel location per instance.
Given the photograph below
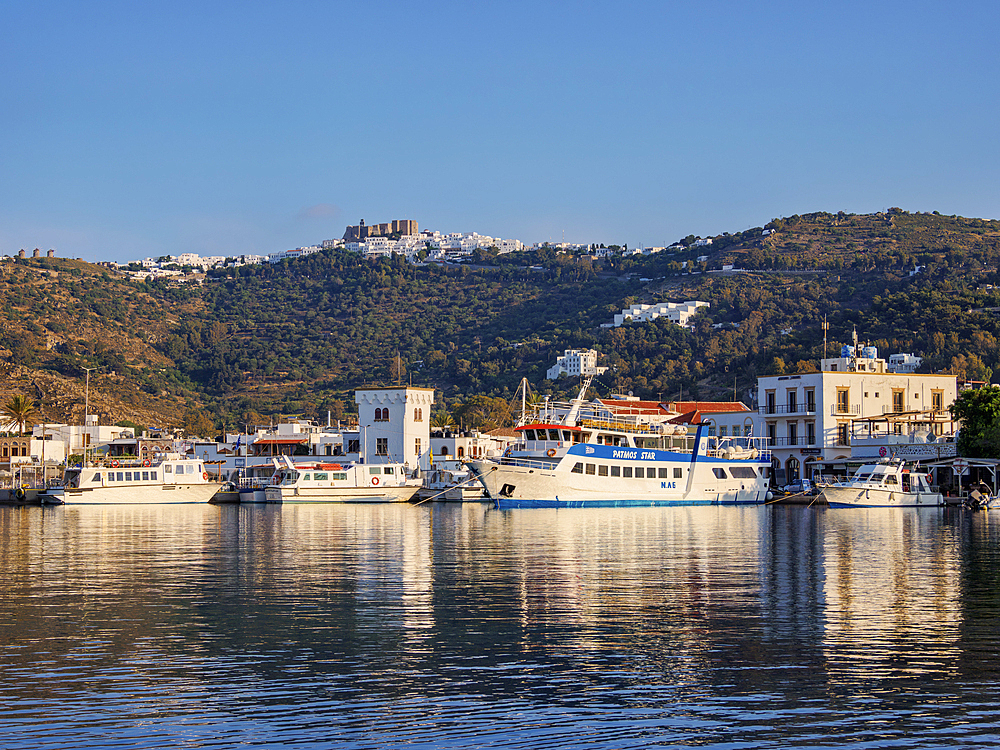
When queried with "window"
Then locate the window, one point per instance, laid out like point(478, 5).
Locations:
point(577, 468)
point(627, 471)
point(793, 401)
point(810, 433)
point(128, 476)
point(743, 472)
point(460, 452)
point(664, 472)
point(719, 473)
point(167, 469)
point(602, 470)
point(723, 431)
point(678, 472)
point(897, 400)
point(341, 475)
point(843, 436)
point(843, 400)
point(382, 415)
point(937, 400)
point(120, 477)
point(616, 471)
point(810, 400)
point(97, 477)
point(152, 475)
point(772, 430)
point(354, 446)
point(793, 433)
point(591, 468)
point(145, 476)
point(639, 472)
point(769, 400)
point(417, 446)
point(374, 470)
point(418, 415)
point(381, 446)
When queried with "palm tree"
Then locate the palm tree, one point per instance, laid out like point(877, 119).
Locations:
point(20, 410)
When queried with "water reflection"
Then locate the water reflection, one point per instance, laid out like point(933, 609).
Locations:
point(384, 625)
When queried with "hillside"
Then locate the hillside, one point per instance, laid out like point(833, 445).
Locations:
point(298, 337)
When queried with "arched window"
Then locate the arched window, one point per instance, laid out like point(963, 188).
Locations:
point(385, 414)
point(792, 469)
point(418, 415)
point(461, 451)
point(378, 415)
point(6, 450)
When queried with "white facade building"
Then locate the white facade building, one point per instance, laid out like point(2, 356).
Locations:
point(904, 362)
point(395, 424)
point(679, 312)
point(810, 418)
point(575, 363)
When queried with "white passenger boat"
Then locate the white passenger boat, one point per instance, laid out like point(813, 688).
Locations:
point(344, 483)
point(162, 478)
point(885, 484)
point(588, 458)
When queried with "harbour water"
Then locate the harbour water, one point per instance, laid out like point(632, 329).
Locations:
point(458, 625)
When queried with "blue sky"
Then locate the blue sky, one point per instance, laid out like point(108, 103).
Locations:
point(135, 129)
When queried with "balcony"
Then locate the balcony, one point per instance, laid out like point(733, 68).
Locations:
point(784, 442)
point(853, 410)
point(805, 409)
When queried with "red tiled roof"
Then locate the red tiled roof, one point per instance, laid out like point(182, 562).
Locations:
point(709, 407)
point(280, 441)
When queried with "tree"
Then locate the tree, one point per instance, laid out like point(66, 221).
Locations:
point(979, 410)
point(20, 410)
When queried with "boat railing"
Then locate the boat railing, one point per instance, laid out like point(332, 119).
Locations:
point(528, 463)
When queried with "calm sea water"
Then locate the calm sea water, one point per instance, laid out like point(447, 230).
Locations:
point(463, 626)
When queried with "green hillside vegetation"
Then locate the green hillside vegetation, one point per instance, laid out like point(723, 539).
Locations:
point(299, 336)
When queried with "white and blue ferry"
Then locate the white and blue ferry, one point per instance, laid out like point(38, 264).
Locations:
point(588, 458)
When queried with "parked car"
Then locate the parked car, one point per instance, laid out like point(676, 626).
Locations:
point(804, 486)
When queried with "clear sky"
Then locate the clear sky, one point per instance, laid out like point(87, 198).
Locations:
point(131, 129)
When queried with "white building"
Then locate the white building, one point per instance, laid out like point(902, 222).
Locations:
point(679, 312)
point(575, 363)
point(904, 362)
point(395, 424)
point(810, 418)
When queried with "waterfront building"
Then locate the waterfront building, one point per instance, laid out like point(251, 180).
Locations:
point(395, 424)
point(812, 419)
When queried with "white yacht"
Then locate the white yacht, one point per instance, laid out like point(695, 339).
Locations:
point(885, 484)
point(325, 482)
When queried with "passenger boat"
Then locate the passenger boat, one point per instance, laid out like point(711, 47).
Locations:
point(586, 457)
point(344, 483)
point(884, 484)
point(162, 478)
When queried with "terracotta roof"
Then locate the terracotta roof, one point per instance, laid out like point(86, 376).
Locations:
point(280, 441)
point(632, 407)
point(708, 407)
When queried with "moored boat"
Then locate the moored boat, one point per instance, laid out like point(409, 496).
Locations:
point(325, 482)
point(585, 457)
point(884, 484)
point(163, 478)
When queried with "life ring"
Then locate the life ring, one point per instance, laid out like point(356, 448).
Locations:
point(147, 462)
point(930, 478)
point(374, 481)
point(114, 464)
point(19, 493)
point(550, 452)
point(204, 475)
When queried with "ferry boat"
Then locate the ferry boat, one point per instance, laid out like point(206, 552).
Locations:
point(344, 483)
point(161, 478)
point(884, 484)
point(587, 457)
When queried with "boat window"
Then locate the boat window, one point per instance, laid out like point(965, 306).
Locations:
point(577, 468)
point(128, 476)
point(602, 470)
point(120, 475)
point(743, 472)
point(626, 471)
point(616, 471)
point(168, 469)
point(567, 436)
point(97, 477)
point(306, 477)
point(590, 468)
point(152, 475)
point(145, 476)
point(639, 472)
point(584, 437)
point(678, 472)
point(322, 475)
point(388, 470)
point(891, 479)
point(719, 473)
point(374, 470)
point(553, 434)
point(664, 472)
point(339, 475)
point(529, 434)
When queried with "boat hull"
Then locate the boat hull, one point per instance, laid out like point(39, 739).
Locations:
point(379, 494)
point(151, 494)
point(861, 497)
